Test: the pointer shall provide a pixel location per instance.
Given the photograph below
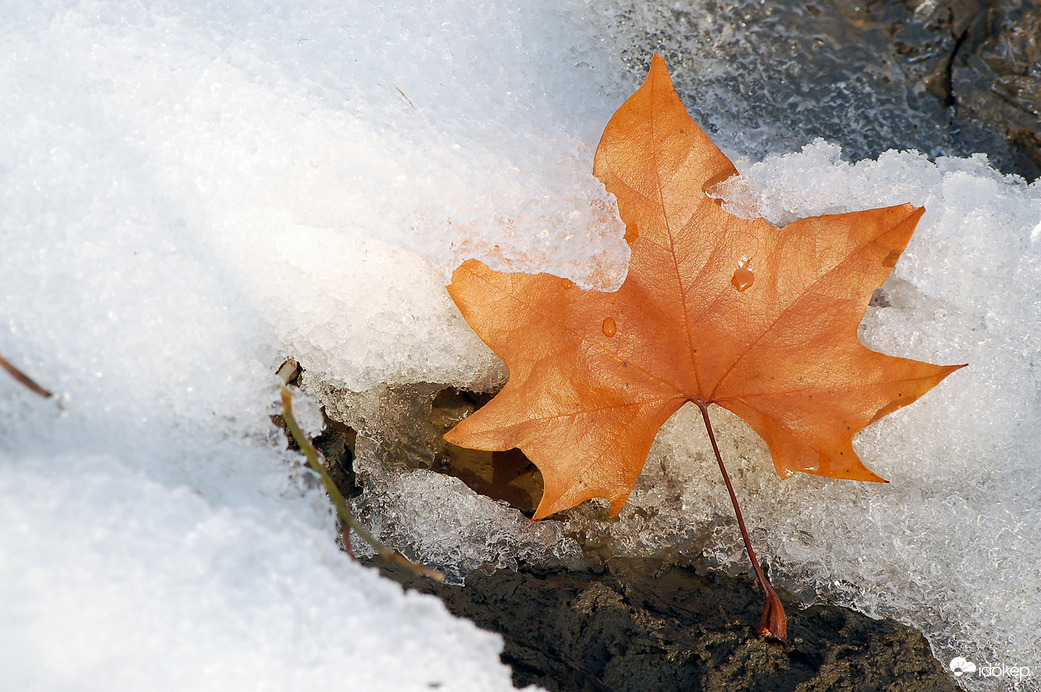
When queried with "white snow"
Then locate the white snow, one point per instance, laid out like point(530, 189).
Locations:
point(112, 581)
point(192, 191)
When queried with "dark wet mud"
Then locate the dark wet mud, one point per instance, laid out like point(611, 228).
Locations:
point(640, 624)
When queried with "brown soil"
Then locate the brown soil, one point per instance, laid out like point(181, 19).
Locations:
point(644, 625)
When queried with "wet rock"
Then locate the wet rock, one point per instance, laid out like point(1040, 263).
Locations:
point(945, 77)
point(995, 75)
point(641, 624)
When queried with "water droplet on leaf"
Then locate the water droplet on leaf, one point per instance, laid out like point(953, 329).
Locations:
point(609, 328)
point(743, 276)
point(567, 284)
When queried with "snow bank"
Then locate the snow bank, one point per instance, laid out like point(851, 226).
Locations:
point(112, 581)
point(190, 192)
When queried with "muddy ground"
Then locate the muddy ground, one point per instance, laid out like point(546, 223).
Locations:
point(640, 624)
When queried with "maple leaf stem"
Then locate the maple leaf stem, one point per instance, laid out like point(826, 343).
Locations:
point(773, 622)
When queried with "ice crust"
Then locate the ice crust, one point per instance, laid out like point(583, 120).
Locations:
point(191, 192)
point(443, 523)
point(433, 517)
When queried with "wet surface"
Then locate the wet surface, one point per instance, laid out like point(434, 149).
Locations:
point(945, 77)
point(640, 624)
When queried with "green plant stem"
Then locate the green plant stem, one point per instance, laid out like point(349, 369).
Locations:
point(337, 497)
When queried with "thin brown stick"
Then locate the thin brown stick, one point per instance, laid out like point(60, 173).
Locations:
point(773, 622)
point(24, 379)
point(404, 97)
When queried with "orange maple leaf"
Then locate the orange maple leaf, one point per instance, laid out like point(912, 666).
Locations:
point(715, 309)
